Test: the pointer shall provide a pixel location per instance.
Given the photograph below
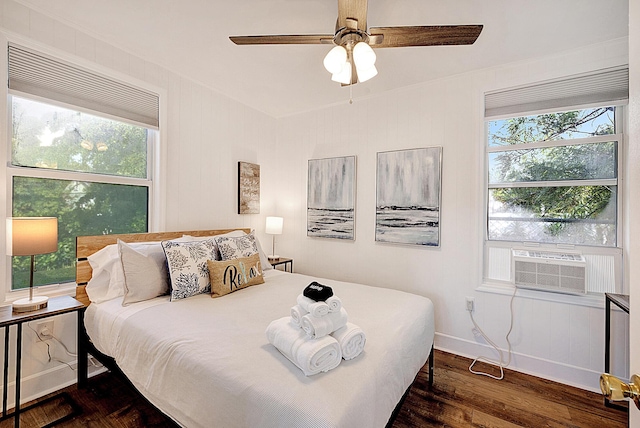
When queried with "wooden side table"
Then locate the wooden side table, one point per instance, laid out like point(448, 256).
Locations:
point(621, 301)
point(282, 261)
point(55, 306)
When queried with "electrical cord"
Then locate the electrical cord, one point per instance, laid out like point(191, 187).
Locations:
point(69, 353)
point(500, 363)
point(50, 358)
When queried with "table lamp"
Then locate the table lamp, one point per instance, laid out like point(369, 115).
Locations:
point(274, 227)
point(28, 236)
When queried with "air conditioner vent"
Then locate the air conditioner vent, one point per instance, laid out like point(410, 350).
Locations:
point(549, 271)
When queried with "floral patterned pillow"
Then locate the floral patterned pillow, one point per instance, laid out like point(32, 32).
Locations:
point(237, 247)
point(188, 270)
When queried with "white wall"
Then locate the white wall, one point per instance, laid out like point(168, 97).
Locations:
point(207, 135)
point(203, 136)
point(554, 340)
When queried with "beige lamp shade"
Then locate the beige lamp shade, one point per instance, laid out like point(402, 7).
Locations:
point(27, 236)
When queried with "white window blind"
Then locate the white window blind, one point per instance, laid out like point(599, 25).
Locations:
point(608, 86)
point(38, 74)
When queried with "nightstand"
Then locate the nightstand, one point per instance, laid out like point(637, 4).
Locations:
point(55, 306)
point(282, 261)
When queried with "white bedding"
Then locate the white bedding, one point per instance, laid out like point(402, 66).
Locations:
point(207, 363)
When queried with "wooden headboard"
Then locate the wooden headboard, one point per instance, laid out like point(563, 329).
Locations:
point(87, 245)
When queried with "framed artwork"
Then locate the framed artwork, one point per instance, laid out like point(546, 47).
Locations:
point(331, 196)
point(248, 188)
point(408, 187)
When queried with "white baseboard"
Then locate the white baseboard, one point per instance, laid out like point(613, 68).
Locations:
point(46, 382)
point(578, 377)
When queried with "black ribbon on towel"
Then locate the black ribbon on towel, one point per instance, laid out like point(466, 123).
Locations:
point(317, 292)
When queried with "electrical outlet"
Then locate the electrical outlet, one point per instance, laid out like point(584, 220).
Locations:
point(470, 304)
point(44, 330)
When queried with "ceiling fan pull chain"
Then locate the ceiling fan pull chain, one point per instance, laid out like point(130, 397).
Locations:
point(351, 93)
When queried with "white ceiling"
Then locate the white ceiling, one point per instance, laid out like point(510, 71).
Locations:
point(190, 37)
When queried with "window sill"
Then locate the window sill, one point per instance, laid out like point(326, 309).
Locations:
point(66, 289)
point(591, 300)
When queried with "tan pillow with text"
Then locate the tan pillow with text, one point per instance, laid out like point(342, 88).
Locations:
point(228, 276)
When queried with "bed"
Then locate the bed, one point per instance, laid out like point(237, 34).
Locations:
point(207, 362)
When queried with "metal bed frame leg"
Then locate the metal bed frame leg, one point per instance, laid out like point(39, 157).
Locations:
point(83, 353)
point(5, 378)
point(431, 364)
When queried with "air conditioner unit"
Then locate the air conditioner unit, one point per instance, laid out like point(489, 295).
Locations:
point(550, 271)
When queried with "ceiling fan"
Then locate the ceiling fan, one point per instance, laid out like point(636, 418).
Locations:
point(352, 60)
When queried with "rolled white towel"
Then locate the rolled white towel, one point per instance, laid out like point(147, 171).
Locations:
point(312, 356)
point(334, 303)
point(319, 327)
point(317, 309)
point(297, 312)
point(351, 339)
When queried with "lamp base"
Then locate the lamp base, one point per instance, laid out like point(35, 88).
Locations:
point(30, 305)
point(273, 257)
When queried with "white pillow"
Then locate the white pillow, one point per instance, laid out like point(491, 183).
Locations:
point(145, 276)
point(107, 270)
point(107, 279)
point(187, 262)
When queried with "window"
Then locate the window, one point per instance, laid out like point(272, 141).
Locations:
point(81, 148)
point(553, 178)
point(50, 146)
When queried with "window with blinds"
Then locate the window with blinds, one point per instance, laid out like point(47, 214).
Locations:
point(552, 160)
point(81, 144)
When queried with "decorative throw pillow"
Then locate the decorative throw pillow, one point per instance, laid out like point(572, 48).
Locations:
point(145, 275)
point(234, 233)
point(228, 276)
point(236, 247)
point(187, 262)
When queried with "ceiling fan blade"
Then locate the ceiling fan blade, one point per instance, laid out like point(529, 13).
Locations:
point(352, 9)
point(296, 39)
point(396, 37)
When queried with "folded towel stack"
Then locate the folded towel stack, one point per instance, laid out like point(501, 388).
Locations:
point(312, 356)
point(317, 333)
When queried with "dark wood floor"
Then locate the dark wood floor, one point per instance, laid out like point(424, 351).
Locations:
point(457, 399)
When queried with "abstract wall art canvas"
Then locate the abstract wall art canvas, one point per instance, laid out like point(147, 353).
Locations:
point(408, 196)
point(331, 198)
point(248, 188)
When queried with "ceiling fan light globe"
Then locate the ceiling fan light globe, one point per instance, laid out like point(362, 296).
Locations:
point(335, 60)
point(365, 74)
point(344, 75)
point(363, 55)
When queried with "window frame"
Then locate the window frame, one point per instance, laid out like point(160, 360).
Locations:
point(56, 174)
point(618, 137)
point(156, 157)
point(497, 285)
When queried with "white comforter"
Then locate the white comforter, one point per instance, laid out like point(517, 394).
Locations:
point(207, 363)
